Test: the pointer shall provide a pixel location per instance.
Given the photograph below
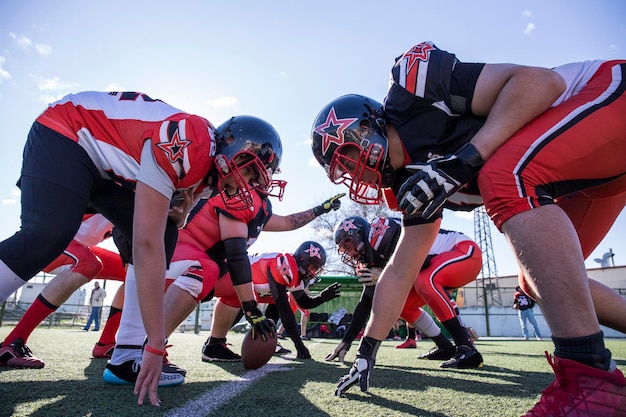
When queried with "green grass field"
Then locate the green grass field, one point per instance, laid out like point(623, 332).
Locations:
point(71, 384)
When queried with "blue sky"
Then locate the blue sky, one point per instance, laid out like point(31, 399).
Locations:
point(278, 60)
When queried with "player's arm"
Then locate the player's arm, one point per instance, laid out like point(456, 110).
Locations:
point(511, 96)
point(278, 223)
point(150, 218)
point(234, 235)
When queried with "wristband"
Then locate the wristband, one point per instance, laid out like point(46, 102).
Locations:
point(154, 351)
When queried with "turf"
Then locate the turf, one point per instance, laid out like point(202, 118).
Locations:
point(71, 384)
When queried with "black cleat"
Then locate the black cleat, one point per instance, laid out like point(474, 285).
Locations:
point(465, 358)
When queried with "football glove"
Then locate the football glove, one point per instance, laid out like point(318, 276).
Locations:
point(339, 353)
point(433, 182)
point(332, 203)
point(330, 292)
point(360, 372)
point(260, 324)
point(368, 276)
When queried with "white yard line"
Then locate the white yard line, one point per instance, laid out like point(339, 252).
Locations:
point(217, 397)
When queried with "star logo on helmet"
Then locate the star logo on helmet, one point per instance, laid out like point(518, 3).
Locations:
point(332, 129)
point(313, 251)
point(417, 53)
point(378, 229)
point(174, 148)
point(348, 225)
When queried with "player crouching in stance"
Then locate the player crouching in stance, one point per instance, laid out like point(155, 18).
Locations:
point(275, 276)
point(454, 260)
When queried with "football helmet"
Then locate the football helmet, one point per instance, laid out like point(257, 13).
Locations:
point(244, 143)
point(311, 258)
point(349, 141)
point(351, 237)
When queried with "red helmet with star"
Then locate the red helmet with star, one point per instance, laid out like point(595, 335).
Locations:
point(349, 141)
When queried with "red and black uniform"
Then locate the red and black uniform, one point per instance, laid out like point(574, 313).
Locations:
point(429, 102)
point(87, 151)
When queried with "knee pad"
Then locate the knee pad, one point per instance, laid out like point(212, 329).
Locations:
point(187, 276)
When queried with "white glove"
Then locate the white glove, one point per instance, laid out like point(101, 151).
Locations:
point(368, 276)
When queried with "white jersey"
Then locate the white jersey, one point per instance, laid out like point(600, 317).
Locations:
point(93, 230)
point(446, 240)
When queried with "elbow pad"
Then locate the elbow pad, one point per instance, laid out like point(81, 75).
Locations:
point(237, 260)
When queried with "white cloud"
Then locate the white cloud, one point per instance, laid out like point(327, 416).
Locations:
point(467, 215)
point(21, 41)
point(612, 47)
point(313, 162)
point(530, 28)
point(223, 102)
point(114, 87)
point(54, 88)
point(8, 202)
point(53, 84)
point(4, 74)
point(44, 50)
point(283, 74)
point(527, 13)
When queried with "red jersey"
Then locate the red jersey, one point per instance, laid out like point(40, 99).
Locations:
point(115, 129)
point(283, 268)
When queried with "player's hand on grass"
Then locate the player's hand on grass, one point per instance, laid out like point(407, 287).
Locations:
point(148, 378)
point(339, 353)
point(360, 372)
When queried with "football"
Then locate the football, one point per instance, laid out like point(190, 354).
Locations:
point(257, 352)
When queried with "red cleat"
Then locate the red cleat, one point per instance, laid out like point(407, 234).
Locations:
point(103, 351)
point(581, 390)
point(408, 344)
point(18, 355)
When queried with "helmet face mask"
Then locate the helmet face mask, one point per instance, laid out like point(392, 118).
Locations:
point(349, 141)
point(248, 154)
point(351, 236)
point(311, 258)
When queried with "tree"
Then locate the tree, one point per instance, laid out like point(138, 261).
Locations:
point(324, 229)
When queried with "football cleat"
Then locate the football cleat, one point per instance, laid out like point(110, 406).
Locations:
point(219, 353)
point(582, 390)
point(126, 374)
point(438, 354)
point(101, 350)
point(18, 355)
point(464, 358)
point(407, 344)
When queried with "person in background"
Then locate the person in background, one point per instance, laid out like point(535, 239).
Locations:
point(96, 300)
point(524, 306)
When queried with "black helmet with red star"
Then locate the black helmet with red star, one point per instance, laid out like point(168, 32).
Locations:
point(311, 258)
point(351, 237)
point(245, 142)
point(349, 141)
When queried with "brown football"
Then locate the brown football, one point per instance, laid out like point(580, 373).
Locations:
point(257, 352)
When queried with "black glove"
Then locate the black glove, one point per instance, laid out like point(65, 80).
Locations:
point(332, 203)
point(360, 372)
point(330, 292)
point(261, 325)
point(435, 181)
point(303, 351)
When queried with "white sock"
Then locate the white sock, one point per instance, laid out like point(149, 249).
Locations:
point(9, 282)
point(131, 331)
point(427, 325)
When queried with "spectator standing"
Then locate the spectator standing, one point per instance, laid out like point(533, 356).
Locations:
point(97, 298)
point(524, 306)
